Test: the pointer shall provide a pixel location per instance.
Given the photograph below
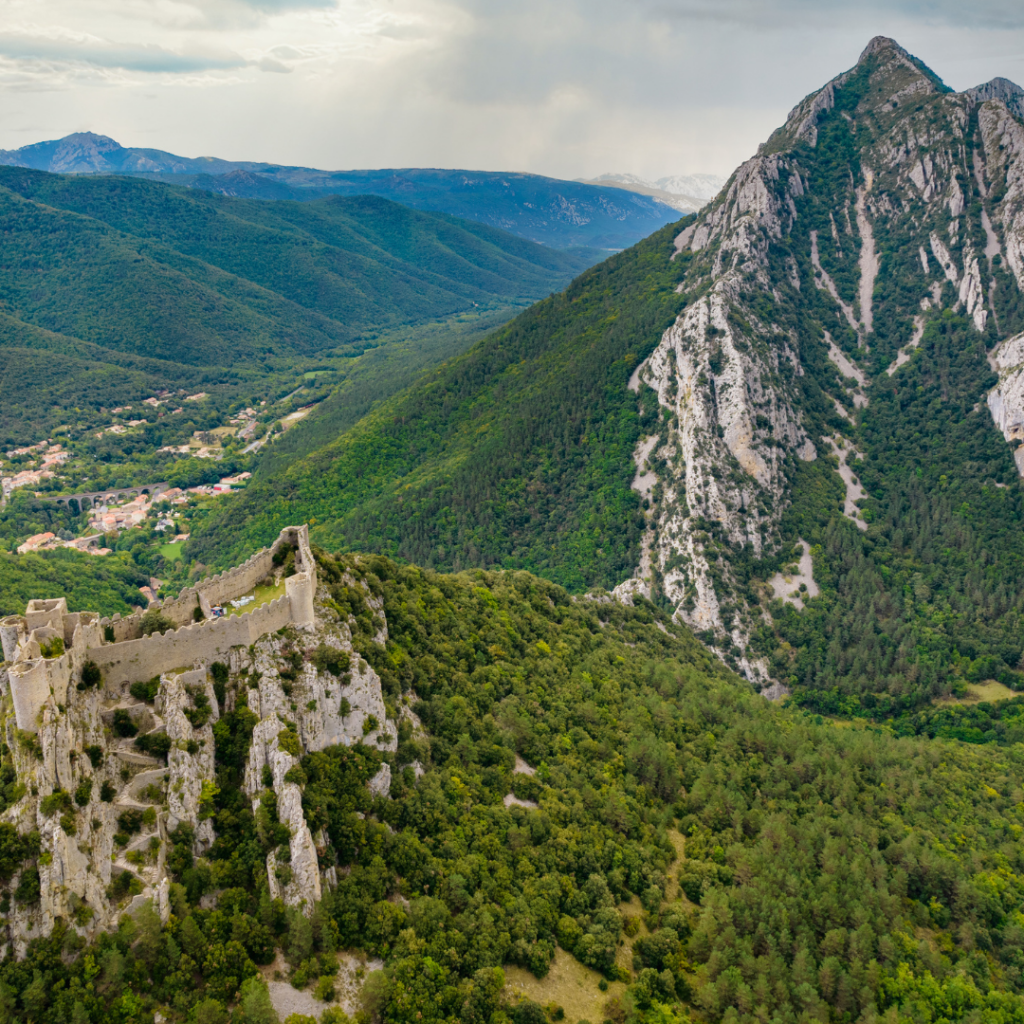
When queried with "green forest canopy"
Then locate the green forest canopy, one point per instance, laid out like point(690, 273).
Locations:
point(831, 873)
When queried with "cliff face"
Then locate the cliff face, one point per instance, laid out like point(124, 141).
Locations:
point(114, 775)
point(788, 320)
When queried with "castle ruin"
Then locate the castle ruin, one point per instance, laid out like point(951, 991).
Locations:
point(48, 647)
point(84, 699)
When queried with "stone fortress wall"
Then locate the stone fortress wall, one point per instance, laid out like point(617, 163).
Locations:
point(131, 656)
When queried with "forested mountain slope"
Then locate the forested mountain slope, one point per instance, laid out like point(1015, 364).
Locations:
point(485, 461)
point(174, 287)
point(546, 210)
point(162, 271)
point(705, 854)
point(806, 369)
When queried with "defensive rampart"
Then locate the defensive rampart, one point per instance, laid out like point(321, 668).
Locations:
point(149, 656)
point(217, 590)
point(133, 657)
point(130, 656)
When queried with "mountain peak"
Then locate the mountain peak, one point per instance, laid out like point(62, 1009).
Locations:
point(882, 45)
point(1000, 89)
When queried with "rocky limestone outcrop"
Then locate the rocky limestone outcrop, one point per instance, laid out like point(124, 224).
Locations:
point(104, 805)
point(754, 376)
point(301, 709)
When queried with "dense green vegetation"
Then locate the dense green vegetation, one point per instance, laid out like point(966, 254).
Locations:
point(516, 454)
point(106, 585)
point(212, 273)
point(831, 874)
point(141, 286)
point(931, 593)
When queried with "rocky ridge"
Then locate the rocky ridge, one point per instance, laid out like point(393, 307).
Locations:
point(772, 359)
point(107, 812)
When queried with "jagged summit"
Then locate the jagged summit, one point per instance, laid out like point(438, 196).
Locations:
point(881, 44)
point(894, 76)
point(1000, 89)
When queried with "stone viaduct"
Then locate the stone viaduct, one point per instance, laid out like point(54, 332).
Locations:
point(99, 497)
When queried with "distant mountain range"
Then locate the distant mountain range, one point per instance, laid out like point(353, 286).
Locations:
point(115, 286)
point(686, 193)
point(562, 214)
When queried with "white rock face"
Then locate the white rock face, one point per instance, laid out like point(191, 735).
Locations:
point(380, 784)
point(729, 415)
point(729, 373)
point(1006, 399)
point(313, 703)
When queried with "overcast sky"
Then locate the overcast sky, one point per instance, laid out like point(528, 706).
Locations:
point(571, 88)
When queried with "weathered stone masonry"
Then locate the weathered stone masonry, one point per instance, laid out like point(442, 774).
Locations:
point(132, 657)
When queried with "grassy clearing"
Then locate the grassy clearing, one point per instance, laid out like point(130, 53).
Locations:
point(263, 595)
point(171, 552)
point(990, 691)
point(568, 984)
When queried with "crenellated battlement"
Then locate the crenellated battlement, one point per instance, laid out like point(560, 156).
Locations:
point(213, 590)
point(131, 656)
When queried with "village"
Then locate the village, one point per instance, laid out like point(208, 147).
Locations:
point(120, 478)
point(104, 519)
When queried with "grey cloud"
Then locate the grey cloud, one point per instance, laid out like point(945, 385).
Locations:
point(279, 6)
point(104, 54)
point(402, 31)
point(269, 64)
point(757, 14)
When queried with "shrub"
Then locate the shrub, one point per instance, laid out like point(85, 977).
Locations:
point(28, 886)
point(122, 885)
point(95, 753)
point(91, 676)
point(146, 691)
point(84, 792)
point(15, 848)
point(201, 713)
point(154, 621)
point(156, 744)
point(369, 724)
point(107, 792)
point(324, 990)
point(52, 648)
point(288, 741)
point(220, 674)
point(329, 659)
point(130, 821)
point(58, 800)
point(29, 742)
point(123, 724)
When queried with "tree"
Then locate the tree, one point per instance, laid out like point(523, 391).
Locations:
point(254, 1002)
